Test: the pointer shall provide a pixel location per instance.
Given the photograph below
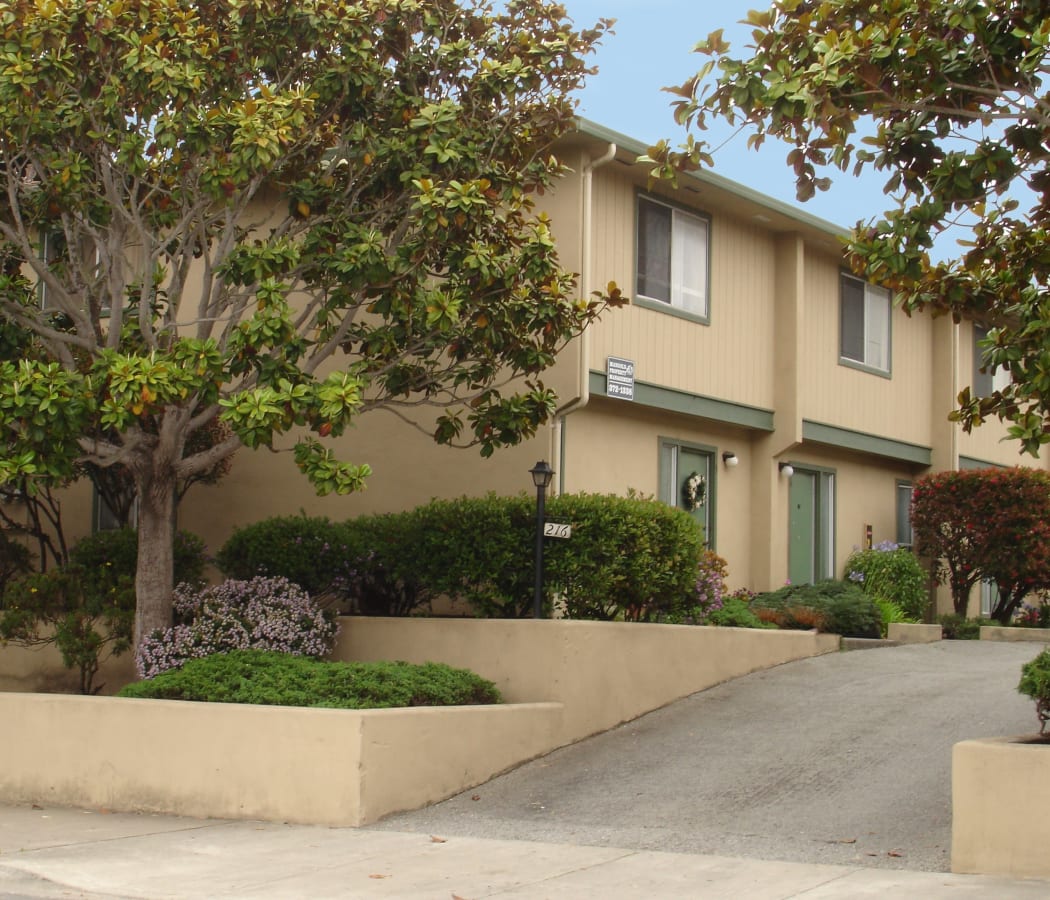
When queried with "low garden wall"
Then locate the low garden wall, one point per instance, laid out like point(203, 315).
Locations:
point(1000, 795)
point(913, 633)
point(1007, 633)
point(563, 680)
point(603, 673)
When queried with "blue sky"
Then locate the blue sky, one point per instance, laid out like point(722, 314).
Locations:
point(653, 48)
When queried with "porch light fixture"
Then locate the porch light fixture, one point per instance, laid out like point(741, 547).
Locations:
point(730, 459)
point(541, 477)
point(787, 470)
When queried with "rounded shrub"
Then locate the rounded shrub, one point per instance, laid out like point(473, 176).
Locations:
point(891, 572)
point(309, 551)
point(261, 613)
point(281, 679)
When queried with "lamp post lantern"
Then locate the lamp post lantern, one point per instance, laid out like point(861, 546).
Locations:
point(541, 477)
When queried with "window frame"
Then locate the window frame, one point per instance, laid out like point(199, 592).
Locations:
point(905, 536)
point(670, 306)
point(869, 293)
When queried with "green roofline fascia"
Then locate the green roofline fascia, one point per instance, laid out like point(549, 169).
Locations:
point(972, 462)
point(671, 400)
point(704, 176)
point(862, 442)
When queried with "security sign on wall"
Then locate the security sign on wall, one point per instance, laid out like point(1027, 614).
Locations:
point(619, 378)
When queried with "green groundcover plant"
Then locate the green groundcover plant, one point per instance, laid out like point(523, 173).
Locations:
point(280, 679)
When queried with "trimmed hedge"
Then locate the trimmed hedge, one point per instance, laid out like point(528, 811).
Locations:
point(281, 679)
point(844, 607)
point(627, 557)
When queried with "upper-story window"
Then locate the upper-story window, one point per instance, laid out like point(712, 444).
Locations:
point(987, 382)
point(52, 251)
point(864, 324)
point(672, 256)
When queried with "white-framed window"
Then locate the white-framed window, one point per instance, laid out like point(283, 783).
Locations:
point(864, 324)
point(986, 381)
point(672, 260)
point(904, 535)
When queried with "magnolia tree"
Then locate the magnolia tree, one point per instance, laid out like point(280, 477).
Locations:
point(949, 99)
point(281, 215)
point(991, 524)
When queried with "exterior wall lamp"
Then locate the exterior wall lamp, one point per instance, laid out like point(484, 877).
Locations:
point(787, 470)
point(730, 459)
point(541, 477)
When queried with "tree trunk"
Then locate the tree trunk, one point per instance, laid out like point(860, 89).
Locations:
point(156, 571)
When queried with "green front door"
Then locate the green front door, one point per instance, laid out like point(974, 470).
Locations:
point(803, 531)
point(695, 465)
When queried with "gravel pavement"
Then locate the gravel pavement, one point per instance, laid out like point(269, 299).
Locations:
point(842, 759)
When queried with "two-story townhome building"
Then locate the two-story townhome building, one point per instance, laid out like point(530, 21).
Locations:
point(798, 402)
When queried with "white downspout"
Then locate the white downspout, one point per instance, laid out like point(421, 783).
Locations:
point(583, 391)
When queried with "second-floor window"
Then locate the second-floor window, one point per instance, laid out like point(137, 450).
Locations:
point(864, 324)
point(672, 256)
point(987, 382)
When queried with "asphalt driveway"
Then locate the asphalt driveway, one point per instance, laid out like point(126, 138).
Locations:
point(845, 758)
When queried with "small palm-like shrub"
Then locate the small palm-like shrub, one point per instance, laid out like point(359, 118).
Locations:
point(262, 613)
point(281, 679)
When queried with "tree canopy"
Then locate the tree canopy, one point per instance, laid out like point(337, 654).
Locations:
point(280, 214)
point(949, 99)
point(990, 524)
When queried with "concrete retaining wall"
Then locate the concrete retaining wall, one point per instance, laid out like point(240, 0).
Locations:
point(1000, 798)
point(913, 633)
point(1006, 633)
point(604, 673)
point(563, 680)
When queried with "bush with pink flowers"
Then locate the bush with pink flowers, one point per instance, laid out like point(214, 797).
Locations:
point(262, 613)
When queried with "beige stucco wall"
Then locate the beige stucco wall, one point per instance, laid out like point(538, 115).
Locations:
point(1000, 795)
point(865, 494)
point(613, 446)
point(604, 673)
point(40, 669)
point(564, 680)
point(320, 766)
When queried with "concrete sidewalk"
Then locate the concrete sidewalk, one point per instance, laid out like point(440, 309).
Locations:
point(69, 854)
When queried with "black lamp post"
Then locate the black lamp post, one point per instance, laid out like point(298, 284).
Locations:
point(541, 477)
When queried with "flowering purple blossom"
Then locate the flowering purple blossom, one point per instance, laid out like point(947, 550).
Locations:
point(709, 592)
point(264, 613)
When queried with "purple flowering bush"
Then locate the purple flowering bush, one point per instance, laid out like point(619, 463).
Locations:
point(262, 613)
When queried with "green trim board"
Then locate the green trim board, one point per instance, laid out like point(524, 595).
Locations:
point(971, 462)
point(848, 439)
point(688, 404)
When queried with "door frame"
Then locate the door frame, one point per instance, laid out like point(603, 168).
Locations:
point(824, 500)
